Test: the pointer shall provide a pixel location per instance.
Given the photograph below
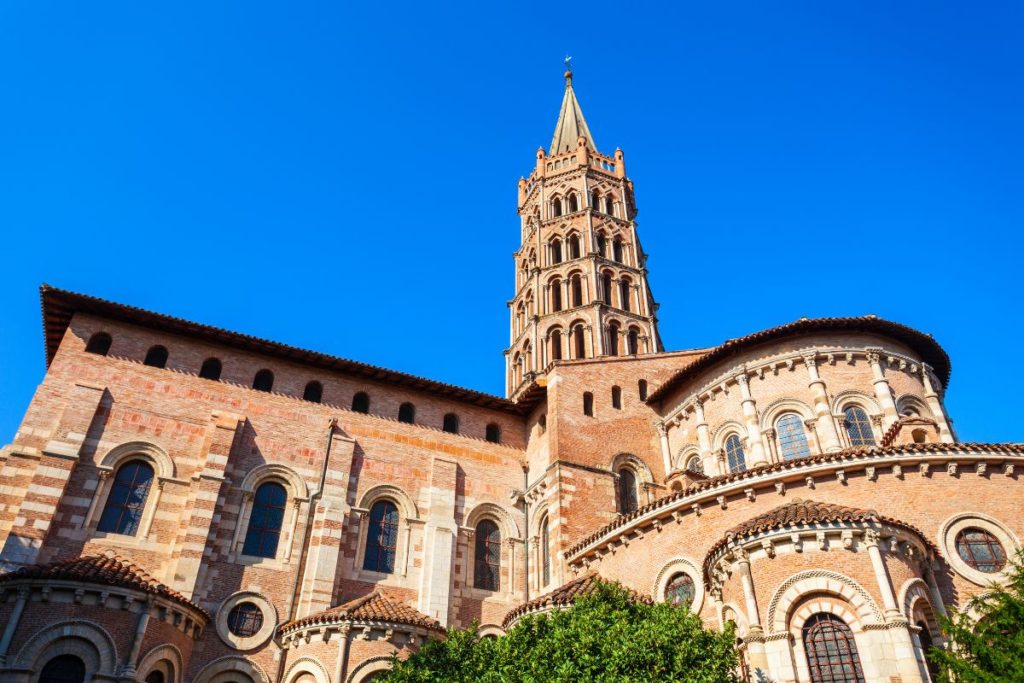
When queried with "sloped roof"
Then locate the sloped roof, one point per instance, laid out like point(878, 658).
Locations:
point(924, 344)
point(372, 607)
point(563, 596)
point(571, 124)
point(905, 421)
point(104, 571)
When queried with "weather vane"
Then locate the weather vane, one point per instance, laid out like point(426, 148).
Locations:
point(568, 62)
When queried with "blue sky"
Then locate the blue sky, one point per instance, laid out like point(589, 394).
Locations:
point(342, 176)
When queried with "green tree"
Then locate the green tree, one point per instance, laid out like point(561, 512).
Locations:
point(988, 648)
point(605, 635)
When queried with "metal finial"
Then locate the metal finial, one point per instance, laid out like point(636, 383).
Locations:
point(568, 62)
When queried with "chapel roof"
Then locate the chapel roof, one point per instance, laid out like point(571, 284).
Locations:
point(571, 124)
point(924, 344)
point(563, 596)
point(374, 606)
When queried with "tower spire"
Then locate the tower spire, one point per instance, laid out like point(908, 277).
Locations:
point(571, 124)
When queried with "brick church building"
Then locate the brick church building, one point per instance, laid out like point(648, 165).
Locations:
point(183, 503)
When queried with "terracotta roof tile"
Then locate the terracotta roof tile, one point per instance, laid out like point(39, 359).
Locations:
point(890, 434)
point(102, 570)
point(563, 596)
point(373, 607)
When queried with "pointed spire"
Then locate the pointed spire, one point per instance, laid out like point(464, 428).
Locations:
point(571, 124)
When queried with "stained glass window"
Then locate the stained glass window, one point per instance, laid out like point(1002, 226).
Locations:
point(122, 513)
point(680, 590)
point(831, 650)
point(981, 550)
point(382, 538)
point(792, 437)
point(734, 454)
point(245, 619)
point(265, 520)
point(858, 427)
point(487, 568)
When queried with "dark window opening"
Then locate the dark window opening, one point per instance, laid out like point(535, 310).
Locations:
point(493, 433)
point(314, 392)
point(545, 552)
point(263, 381)
point(609, 205)
point(831, 650)
point(633, 342)
point(210, 369)
point(601, 244)
point(574, 246)
point(556, 295)
point(63, 669)
point(624, 295)
point(617, 251)
point(156, 357)
point(155, 677)
point(613, 339)
point(595, 201)
point(641, 387)
point(616, 398)
point(574, 204)
point(407, 413)
point(606, 288)
point(556, 207)
point(580, 342)
point(382, 538)
point(265, 520)
point(556, 345)
point(487, 567)
point(556, 251)
point(122, 513)
point(245, 620)
point(361, 403)
point(588, 404)
point(451, 423)
point(627, 491)
point(577, 290)
point(99, 344)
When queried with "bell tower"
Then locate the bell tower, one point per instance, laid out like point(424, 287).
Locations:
point(581, 281)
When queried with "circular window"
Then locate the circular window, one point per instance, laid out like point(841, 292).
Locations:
point(980, 550)
point(245, 620)
point(680, 590)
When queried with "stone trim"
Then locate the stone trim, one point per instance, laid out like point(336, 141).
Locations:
point(819, 581)
point(947, 534)
point(260, 637)
point(230, 663)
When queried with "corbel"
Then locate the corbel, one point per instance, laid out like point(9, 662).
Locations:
point(982, 469)
point(847, 538)
point(696, 509)
point(722, 502)
point(872, 474)
point(951, 469)
point(750, 494)
point(768, 547)
point(798, 544)
point(897, 471)
point(1008, 469)
point(810, 482)
point(924, 469)
point(841, 476)
point(820, 538)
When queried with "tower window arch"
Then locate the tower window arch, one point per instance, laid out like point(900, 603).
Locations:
point(487, 565)
point(313, 392)
point(579, 341)
point(211, 369)
point(789, 429)
point(617, 398)
point(633, 342)
point(574, 203)
point(595, 200)
point(832, 655)
point(576, 288)
point(156, 357)
point(407, 413)
point(382, 538)
point(606, 287)
point(602, 242)
point(493, 433)
point(556, 206)
point(858, 426)
point(99, 344)
point(613, 338)
point(625, 292)
point(265, 520)
point(574, 246)
point(126, 502)
point(263, 381)
point(588, 404)
point(627, 491)
point(609, 205)
point(556, 344)
point(451, 423)
point(545, 551)
point(617, 250)
point(556, 251)
point(556, 294)
point(361, 402)
point(735, 458)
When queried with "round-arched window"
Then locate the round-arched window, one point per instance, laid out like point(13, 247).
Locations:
point(63, 669)
point(680, 590)
point(245, 619)
point(792, 437)
point(695, 465)
point(734, 454)
point(981, 550)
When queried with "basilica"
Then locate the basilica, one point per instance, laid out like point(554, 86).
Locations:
point(187, 504)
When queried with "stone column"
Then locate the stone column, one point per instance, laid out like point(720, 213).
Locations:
point(827, 432)
point(704, 439)
point(754, 639)
point(903, 653)
point(882, 391)
point(132, 660)
point(928, 569)
point(666, 452)
point(757, 456)
point(439, 537)
point(12, 622)
point(931, 397)
point(768, 437)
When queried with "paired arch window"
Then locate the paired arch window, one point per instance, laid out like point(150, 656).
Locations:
point(487, 565)
point(601, 243)
point(579, 341)
point(734, 455)
point(595, 200)
point(588, 404)
point(493, 433)
point(361, 403)
point(99, 344)
point(627, 491)
point(313, 392)
point(680, 590)
point(263, 381)
point(545, 552)
point(625, 294)
point(556, 207)
point(122, 513)
point(613, 339)
point(382, 538)
point(556, 294)
point(576, 288)
point(211, 369)
point(981, 550)
point(617, 398)
point(451, 423)
point(156, 357)
point(609, 205)
point(831, 650)
point(858, 426)
point(574, 203)
point(556, 345)
point(265, 520)
point(633, 342)
point(617, 250)
point(574, 246)
point(407, 413)
point(556, 250)
point(606, 287)
point(63, 669)
point(792, 438)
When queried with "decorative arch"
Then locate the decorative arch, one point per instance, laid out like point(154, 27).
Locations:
point(85, 639)
point(684, 455)
point(163, 464)
point(913, 596)
point(908, 401)
point(740, 617)
point(508, 525)
point(853, 396)
point(777, 409)
point(636, 464)
point(307, 665)
point(681, 565)
point(367, 667)
point(725, 430)
point(158, 654)
point(792, 592)
point(219, 670)
point(295, 484)
point(488, 630)
point(394, 494)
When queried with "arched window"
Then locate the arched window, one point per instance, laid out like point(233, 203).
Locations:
point(609, 205)
point(641, 389)
point(156, 357)
point(627, 491)
point(556, 345)
point(407, 413)
point(487, 565)
point(588, 404)
point(595, 201)
point(574, 246)
point(625, 287)
point(695, 465)
point(63, 669)
point(545, 551)
point(925, 636)
point(858, 426)
point(613, 338)
point(156, 677)
point(493, 433)
point(263, 381)
point(210, 369)
point(556, 207)
point(792, 438)
point(265, 520)
point(451, 423)
point(314, 392)
point(126, 502)
point(99, 344)
point(574, 204)
point(919, 436)
point(633, 342)
point(556, 250)
point(382, 538)
point(601, 243)
point(361, 403)
point(576, 286)
point(831, 650)
point(981, 550)
point(606, 287)
point(734, 454)
point(580, 342)
point(616, 398)
point(556, 294)
point(617, 250)
point(680, 590)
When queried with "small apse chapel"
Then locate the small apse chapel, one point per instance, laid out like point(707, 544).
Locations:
point(185, 503)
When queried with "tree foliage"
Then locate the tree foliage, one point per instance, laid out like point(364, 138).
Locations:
point(605, 636)
point(987, 646)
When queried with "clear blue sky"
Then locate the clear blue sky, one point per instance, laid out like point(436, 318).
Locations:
point(342, 176)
